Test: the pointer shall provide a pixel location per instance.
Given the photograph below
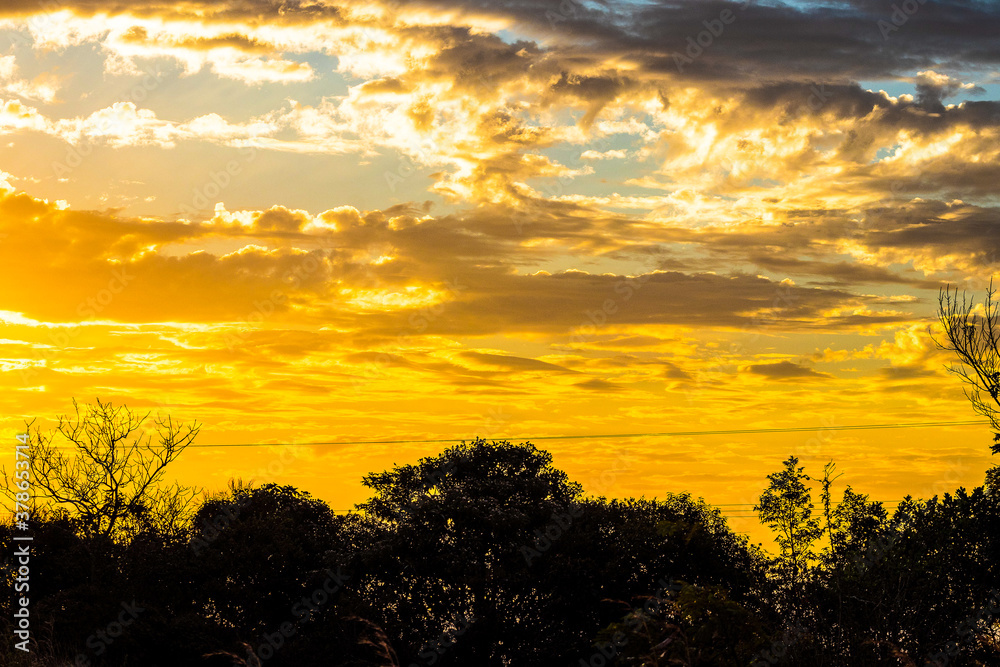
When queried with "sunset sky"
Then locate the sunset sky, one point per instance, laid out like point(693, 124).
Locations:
point(307, 221)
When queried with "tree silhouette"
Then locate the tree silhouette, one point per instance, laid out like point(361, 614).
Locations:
point(447, 553)
point(975, 339)
point(111, 483)
point(259, 550)
point(696, 626)
point(493, 532)
point(786, 507)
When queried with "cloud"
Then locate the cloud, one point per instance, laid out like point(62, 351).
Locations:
point(480, 112)
point(606, 155)
point(514, 363)
point(675, 372)
point(43, 88)
point(601, 386)
point(786, 370)
point(906, 373)
point(448, 194)
point(353, 270)
point(932, 88)
point(15, 117)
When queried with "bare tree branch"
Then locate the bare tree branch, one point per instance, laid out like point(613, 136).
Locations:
point(111, 480)
point(975, 339)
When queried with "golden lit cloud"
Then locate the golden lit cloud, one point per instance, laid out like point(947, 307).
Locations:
point(306, 215)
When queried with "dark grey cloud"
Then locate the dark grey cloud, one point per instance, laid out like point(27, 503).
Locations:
point(839, 273)
point(675, 372)
point(514, 363)
point(941, 228)
point(906, 372)
point(765, 41)
point(786, 370)
point(581, 304)
point(262, 10)
point(602, 386)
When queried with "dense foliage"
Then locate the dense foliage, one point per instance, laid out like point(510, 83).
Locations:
point(488, 555)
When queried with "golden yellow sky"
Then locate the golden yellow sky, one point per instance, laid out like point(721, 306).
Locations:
point(341, 222)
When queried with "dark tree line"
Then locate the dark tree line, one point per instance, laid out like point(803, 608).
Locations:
point(488, 555)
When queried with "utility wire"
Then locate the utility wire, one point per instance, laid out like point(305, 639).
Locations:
point(729, 514)
point(585, 436)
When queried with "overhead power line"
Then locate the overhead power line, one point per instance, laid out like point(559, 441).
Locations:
point(587, 436)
